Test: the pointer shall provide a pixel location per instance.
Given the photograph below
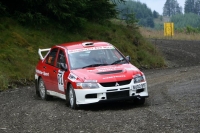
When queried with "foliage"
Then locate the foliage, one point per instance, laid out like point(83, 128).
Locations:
point(69, 14)
point(155, 14)
point(131, 20)
point(190, 30)
point(171, 8)
point(2, 9)
point(192, 6)
point(141, 11)
point(184, 20)
point(179, 34)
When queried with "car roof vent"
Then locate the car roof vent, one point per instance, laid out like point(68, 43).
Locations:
point(88, 44)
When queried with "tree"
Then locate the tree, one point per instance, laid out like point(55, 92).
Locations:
point(155, 14)
point(68, 13)
point(192, 6)
point(189, 6)
point(197, 7)
point(2, 9)
point(141, 12)
point(150, 22)
point(171, 7)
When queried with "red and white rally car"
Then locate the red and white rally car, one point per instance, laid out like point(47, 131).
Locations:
point(88, 72)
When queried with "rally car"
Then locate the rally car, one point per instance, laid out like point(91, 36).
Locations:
point(88, 72)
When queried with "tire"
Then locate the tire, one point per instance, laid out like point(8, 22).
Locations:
point(36, 88)
point(139, 101)
point(71, 98)
point(42, 90)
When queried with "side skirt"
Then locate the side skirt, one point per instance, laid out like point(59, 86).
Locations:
point(56, 94)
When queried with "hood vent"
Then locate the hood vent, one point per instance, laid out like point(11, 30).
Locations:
point(110, 72)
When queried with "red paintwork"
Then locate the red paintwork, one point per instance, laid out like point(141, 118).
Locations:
point(51, 81)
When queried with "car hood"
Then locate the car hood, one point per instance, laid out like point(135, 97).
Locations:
point(110, 73)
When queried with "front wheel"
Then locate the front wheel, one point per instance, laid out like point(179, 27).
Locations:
point(71, 98)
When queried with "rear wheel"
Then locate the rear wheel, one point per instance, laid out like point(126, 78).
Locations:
point(71, 98)
point(42, 90)
point(36, 88)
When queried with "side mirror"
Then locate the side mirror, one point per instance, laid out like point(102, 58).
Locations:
point(63, 66)
point(128, 58)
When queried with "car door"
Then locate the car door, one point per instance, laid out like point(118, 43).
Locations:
point(59, 74)
point(49, 68)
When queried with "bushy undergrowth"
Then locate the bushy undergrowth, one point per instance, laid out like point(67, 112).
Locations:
point(19, 47)
point(187, 33)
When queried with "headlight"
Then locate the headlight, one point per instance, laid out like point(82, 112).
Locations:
point(138, 79)
point(87, 85)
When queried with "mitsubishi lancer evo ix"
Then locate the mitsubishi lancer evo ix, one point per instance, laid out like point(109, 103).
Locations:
point(88, 72)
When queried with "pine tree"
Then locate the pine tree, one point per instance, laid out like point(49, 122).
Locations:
point(189, 6)
point(192, 6)
point(171, 8)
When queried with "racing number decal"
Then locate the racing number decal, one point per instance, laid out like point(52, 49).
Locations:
point(61, 80)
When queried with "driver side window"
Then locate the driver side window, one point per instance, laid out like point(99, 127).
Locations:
point(51, 57)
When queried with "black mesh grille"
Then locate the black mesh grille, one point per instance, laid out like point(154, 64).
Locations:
point(111, 84)
point(118, 94)
point(110, 72)
point(139, 90)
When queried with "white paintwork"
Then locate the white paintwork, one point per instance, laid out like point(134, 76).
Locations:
point(56, 94)
point(40, 52)
point(101, 92)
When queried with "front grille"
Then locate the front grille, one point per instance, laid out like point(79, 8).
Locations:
point(118, 94)
point(139, 90)
point(111, 84)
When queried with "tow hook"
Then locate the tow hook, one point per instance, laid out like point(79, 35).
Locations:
point(138, 97)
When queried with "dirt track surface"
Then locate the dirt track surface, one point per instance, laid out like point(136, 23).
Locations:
point(173, 105)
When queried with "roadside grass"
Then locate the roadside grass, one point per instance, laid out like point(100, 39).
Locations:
point(159, 34)
point(19, 47)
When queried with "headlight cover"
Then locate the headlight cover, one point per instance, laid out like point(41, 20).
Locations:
point(87, 85)
point(138, 78)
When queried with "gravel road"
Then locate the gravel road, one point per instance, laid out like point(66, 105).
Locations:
point(173, 105)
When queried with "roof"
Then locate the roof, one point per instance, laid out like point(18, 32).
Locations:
point(83, 44)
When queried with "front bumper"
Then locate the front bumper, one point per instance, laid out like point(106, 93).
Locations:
point(87, 96)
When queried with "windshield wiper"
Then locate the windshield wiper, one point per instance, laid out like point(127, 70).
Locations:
point(94, 65)
point(117, 61)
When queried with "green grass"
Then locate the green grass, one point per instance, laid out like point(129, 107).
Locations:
point(19, 47)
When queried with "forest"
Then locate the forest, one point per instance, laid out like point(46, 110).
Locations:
point(189, 18)
point(70, 14)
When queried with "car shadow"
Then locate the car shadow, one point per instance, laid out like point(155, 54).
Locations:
point(101, 106)
point(110, 105)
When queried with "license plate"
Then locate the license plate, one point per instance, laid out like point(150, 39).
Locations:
point(139, 86)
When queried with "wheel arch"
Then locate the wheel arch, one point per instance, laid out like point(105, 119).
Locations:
point(37, 85)
point(67, 88)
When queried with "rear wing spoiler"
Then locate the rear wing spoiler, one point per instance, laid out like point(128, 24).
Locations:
point(42, 50)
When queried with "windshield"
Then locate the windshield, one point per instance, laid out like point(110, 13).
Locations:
point(94, 57)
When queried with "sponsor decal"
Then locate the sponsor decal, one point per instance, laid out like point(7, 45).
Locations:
point(105, 69)
point(72, 77)
point(130, 69)
point(110, 77)
point(90, 48)
point(91, 81)
point(42, 73)
point(61, 80)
